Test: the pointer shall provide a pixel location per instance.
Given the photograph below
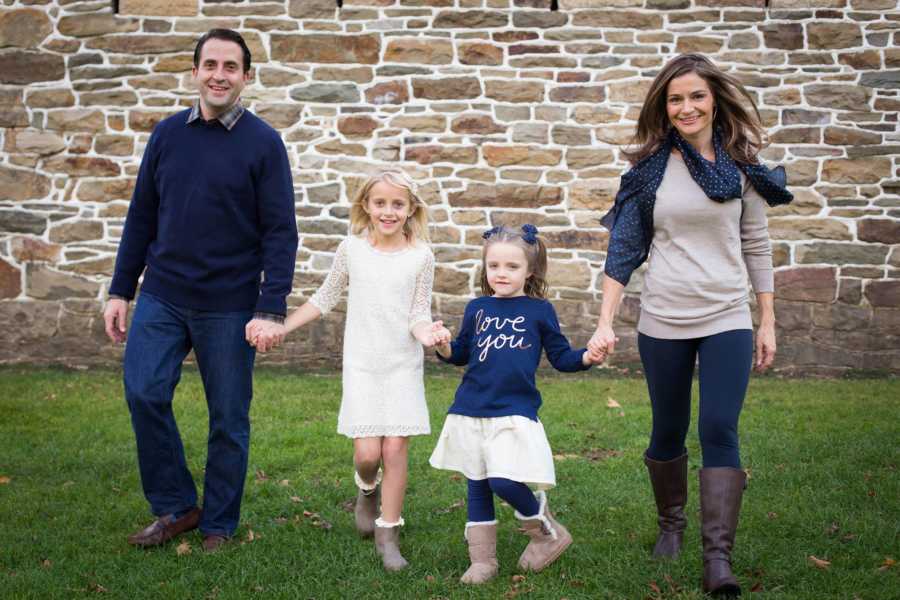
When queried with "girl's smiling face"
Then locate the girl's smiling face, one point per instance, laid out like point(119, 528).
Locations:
point(506, 268)
point(388, 207)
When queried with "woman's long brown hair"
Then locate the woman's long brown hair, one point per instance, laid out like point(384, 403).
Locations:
point(742, 132)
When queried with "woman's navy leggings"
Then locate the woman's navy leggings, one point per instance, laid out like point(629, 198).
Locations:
point(725, 360)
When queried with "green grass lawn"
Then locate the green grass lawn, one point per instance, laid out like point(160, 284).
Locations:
point(822, 455)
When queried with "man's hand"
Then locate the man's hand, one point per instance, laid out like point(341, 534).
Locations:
point(115, 317)
point(264, 335)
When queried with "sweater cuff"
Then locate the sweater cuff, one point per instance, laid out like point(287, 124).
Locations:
point(264, 316)
point(273, 305)
point(762, 280)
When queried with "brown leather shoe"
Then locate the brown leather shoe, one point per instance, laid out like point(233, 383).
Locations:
point(213, 542)
point(164, 529)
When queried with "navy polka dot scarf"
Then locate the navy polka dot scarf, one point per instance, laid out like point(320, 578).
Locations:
point(720, 181)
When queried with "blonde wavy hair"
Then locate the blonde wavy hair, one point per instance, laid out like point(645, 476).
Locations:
point(415, 227)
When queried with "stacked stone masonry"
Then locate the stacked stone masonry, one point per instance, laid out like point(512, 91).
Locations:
point(502, 110)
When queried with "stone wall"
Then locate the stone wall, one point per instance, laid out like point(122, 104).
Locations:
point(503, 110)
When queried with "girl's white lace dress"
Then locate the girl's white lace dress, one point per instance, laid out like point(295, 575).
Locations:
point(383, 379)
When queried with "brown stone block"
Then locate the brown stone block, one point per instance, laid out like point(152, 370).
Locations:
point(807, 284)
point(355, 74)
point(616, 134)
point(501, 156)
point(77, 231)
point(113, 98)
point(837, 253)
point(578, 94)
point(783, 36)
point(82, 166)
point(856, 170)
point(450, 88)
point(34, 141)
point(357, 126)
point(161, 8)
point(428, 51)
point(782, 97)
point(514, 91)
point(448, 280)
point(883, 293)
point(144, 120)
point(581, 158)
point(845, 97)
point(179, 63)
point(105, 190)
point(595, 115)
point(43, 283)
point(97, 266)
point(93, 24)
point(593, 194)
point(571, 135)
point(886, 320)
point(805, 202)
point(20, 221)
point(845, 136)
point(543, 62)
point(321, 48)
point(515, 219)
point(567, 274)
point(480, 53)
point(804, 229)
point(12, 111)
point(25, 66)
point(420, 124)
point(802, 172)
point(26, 249)
point(629, 91)
point(829, 36)
point(507, 37)
point(10, 280)
point(539, 20)
point(577, 239)
point(506, 195)
point(624, 19)
point(21, 184)
point(520, 49)
point(429, 154)
point(389, 92)
point(699, 43)
point(796, 135)
point(143, 44)
point(486, 175)
point(312, 9)
point(476, 124)
point(337, 147)
point(24, 28)
point(49, 98)
point(470, 19)
point(279, 116)
point(885, 231)
point(866, 60)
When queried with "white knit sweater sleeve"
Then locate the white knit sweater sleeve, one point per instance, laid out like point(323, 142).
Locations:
point(421, 305)
point(331, 290)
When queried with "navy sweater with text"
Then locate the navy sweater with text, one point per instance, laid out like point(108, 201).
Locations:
point(212, 209)
point(501, 341)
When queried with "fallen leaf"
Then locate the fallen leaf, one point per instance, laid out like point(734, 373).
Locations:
point(349, 505)
point(756, 587)
point(68, 484)
point(97, 588)
point(565, 456)
point(596, 454)
point(284, 482)
point(518, 578)
point(183, 548)
point(456, 477)
point(621, 413)
point(46, 563)
point(610, 403)
point(296, 499)
point(429, 578)
point(451, 508)
point(281, 520)
point(871, 493)
point(818, 562)
point(749, 474)
point(849, 537)
point(4, 479)
point(772, 515)
point(261, 476)
point(832, 529)
point(887, 564)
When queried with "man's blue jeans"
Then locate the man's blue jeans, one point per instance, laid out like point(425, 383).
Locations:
point(159, 339)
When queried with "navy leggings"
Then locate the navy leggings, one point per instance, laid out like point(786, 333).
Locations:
point(481, 498)
point(725, 362)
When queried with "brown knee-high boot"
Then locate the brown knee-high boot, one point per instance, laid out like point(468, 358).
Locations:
point(669, 481)
point(721, 489)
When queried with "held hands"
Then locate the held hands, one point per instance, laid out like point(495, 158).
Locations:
point(264, 335)
point(601, 344)
point(765, 347)
point(434, 335)
point(115, 317)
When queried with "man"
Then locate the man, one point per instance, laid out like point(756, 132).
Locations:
point(212, 209)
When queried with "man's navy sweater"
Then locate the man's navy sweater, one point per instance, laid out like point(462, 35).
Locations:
point(501, 341)
point(212, 209)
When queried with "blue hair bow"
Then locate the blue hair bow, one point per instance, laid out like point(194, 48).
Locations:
point(529, 233)
point(492, 231)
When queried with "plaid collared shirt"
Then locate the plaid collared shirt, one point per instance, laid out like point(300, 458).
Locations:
point(227, 118)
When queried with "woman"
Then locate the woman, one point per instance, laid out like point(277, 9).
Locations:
point(694, 206)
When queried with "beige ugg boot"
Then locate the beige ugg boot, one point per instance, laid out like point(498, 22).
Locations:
point(548, 537)
point(482, 540)
point(387, 544)
point(367, 505)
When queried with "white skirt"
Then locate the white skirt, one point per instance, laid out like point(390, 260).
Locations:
point(512, 447)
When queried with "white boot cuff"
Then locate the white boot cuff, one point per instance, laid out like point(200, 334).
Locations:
point(379, 522)
point(367, 487)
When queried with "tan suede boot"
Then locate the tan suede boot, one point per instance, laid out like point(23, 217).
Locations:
point(548, 538)
point(721, 490)
point(669, 481)
point(387, 545)
point(482, 539)
point(367, 505)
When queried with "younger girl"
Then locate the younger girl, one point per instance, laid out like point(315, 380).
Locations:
point(389, 269)
point(492, 434)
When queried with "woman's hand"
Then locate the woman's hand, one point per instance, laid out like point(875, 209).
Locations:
point(765, 346)
point(604, 339)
